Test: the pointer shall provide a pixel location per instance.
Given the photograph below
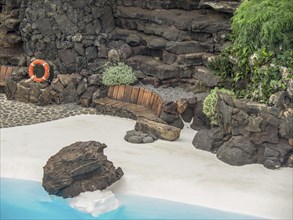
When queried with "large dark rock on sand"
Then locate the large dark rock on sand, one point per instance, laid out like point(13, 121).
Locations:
point(78, 168)
point(208, 139)
point(238, 151)
point(161, 131)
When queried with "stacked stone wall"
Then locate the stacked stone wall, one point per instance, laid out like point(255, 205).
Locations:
point(170, 41)
point(10, 37)
point(66, 33)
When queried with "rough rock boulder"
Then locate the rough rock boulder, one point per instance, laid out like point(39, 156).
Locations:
point(161, 131)
point(237, 151)
point(79, 167)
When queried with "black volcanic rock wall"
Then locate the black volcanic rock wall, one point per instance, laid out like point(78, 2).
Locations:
point(66, 33)
point(10, 37)
point(250, 132)
point(166, 39)
point(170, 41)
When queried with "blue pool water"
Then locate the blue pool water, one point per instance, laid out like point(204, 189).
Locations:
point(21, 199)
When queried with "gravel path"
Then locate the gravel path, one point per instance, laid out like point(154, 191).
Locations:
point(172, 93)
point(14, 113)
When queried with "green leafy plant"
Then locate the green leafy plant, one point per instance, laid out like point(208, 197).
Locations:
point(222, 65)
point(118, 74)
point(210, 104)
point(262, 44)
point(258, 23)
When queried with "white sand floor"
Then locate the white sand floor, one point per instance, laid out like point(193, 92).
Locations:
point(167, 170)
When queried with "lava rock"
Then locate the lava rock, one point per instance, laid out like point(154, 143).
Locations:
point(286, 124)
point(91, 53)
point(208, 139)
point(178, 123)
point(168, 58)
point(237, 151)
point(69, 94)
point(86, 97)
point(82, 86)
point(203, 140)
point(57, 85)
point(125, 51)
point(187, 115)
point(78, 168)
point(170, 107)
point(107, 20)
point(182, 105)
point(138, 137)
point(162, 131)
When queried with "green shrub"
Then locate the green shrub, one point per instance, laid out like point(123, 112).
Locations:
point(262, 43)
point(221, 65)
point(118, 74)
point(258, 23)
point(210, 104)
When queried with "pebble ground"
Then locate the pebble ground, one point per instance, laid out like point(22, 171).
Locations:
point(173, 93)
point(14, 113)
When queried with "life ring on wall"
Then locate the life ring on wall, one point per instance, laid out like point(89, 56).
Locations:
point(46, 70)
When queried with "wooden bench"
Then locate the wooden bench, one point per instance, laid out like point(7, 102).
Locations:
point(131, 101)
point(5, 73)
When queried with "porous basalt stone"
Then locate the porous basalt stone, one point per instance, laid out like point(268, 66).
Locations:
point(138, 137)
point(237, 151)
point(162, 131)
point(63, 32)
point(78, 168)
point(250, 132)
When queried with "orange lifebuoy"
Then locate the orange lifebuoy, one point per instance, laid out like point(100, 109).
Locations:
point(46, 70)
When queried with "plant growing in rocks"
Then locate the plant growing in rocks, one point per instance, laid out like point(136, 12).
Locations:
point(118, 74)
point(210, 104)
point(262, 44)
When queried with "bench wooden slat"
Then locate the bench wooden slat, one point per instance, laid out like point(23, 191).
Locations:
point(8, 72)
point(127, 94)
point(110, 102)
point(146, 98)
point(115, 92)
point(3, 72)
point(134, 95)
point(3, 75)
point(110, 91)
point(152, 98)
point(124, 105)
point(114, 103)
point(154, 103)
point(140, 96)
point(155, 108)
point(159, 106)
point(136, 107)
point(121, 90)
point(101, 101)
point(159, 109)
point(138, 110)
